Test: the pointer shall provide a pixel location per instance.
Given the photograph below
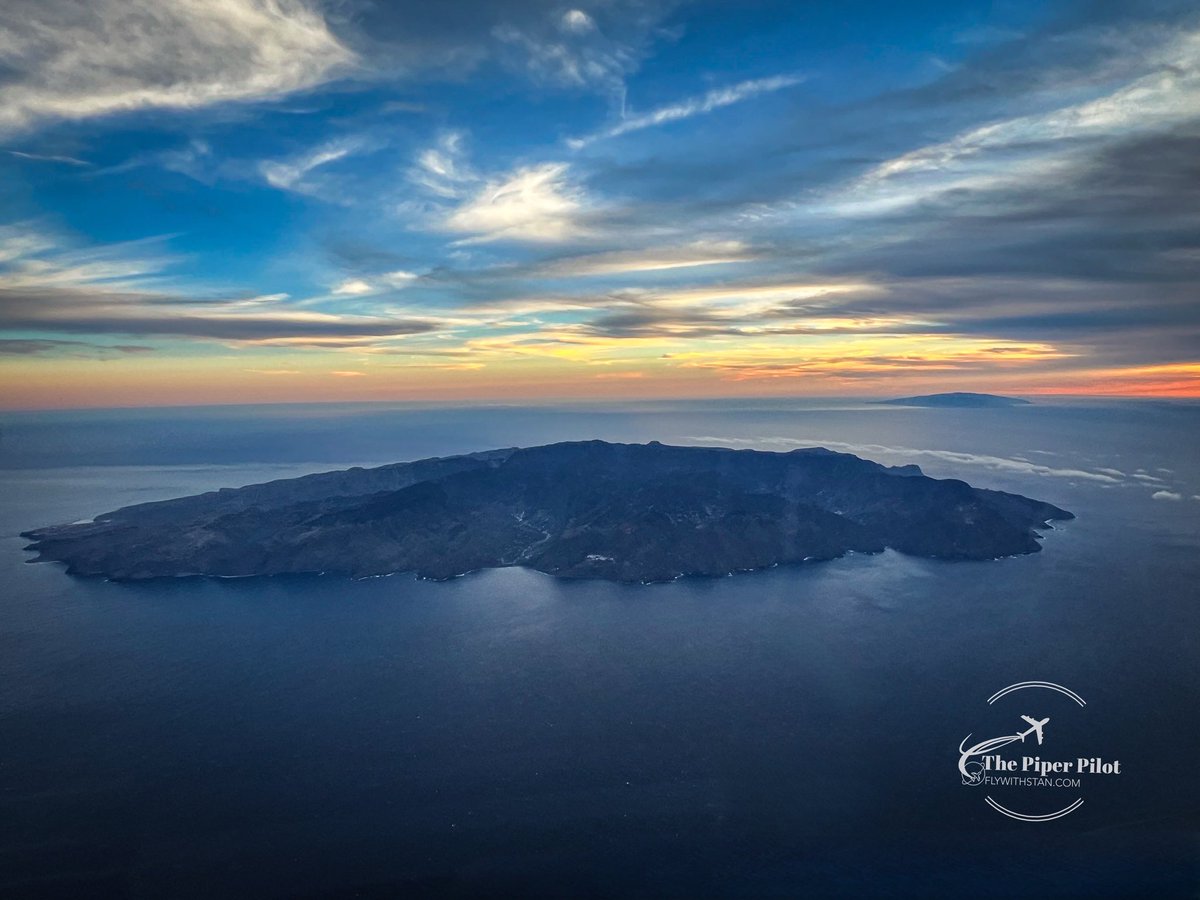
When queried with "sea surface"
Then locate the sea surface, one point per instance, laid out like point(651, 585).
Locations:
point(791, 732)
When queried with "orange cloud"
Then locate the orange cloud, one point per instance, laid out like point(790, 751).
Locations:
point(1168, 380)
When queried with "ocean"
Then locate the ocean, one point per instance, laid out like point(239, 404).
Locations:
point(790, 732)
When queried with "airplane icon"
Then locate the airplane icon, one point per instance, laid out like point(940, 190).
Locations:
point(1036, 726)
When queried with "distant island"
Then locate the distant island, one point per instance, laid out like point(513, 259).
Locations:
point(624, 512)
point(957, 399)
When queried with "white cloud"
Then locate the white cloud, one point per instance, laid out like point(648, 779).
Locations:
point(288, 175)
point(40, 157)
point(577, 22)
point(1038, 146)
point(71, 60)
point(353, 287)
point(1168, 93)
point(20, 242)
point(618, 262)
point(575, 54)
point(534, 203)
point(998, 463)
point(443, 169)
point(693, 106)
point(1166, 495)
point(373, 284)
point(47, 283)
point(33, 259)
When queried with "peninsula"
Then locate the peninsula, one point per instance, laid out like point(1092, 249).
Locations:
point(591, 509)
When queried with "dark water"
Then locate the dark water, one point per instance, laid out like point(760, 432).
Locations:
point(786, 733)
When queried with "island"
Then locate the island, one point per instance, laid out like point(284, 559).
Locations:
point(957, 400)
point(588, 509)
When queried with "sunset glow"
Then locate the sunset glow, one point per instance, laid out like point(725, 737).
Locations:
point(259, 202)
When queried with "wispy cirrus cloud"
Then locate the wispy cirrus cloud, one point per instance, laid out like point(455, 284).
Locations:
point(50, 158)
point(47, 285)
point(653, 259)
point(1041, 146)
point(442, 169)
point(32, 258)
point(293, 174)
point(712, 100)
point(569, 49)
point(1025, 219)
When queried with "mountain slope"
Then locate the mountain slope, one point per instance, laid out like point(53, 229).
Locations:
point(628, 512)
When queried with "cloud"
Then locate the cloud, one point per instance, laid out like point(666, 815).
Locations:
point(290, 175)
point(85, 312)
point(40, 157)
point(79, 349)
point(69, 60)
point(1042, 145)
point(21, 242)
point(658, 259)
point(1166, 495)
point(694, 106)
point(551, 44)
point(577, 21)
point(402, 106)
point(1072, 51)
point(574, 52)
point(1015, 217)
point(998, 463)
point(534, 203)
point(353, 287)
point(443, 169)
point(34, 259)
point(195, 159)
point(848, 357)
point(620, 376)
point(46, 285)
point(754, 303)
point(374, 284)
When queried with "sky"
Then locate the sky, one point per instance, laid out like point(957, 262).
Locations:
point(232, 201)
